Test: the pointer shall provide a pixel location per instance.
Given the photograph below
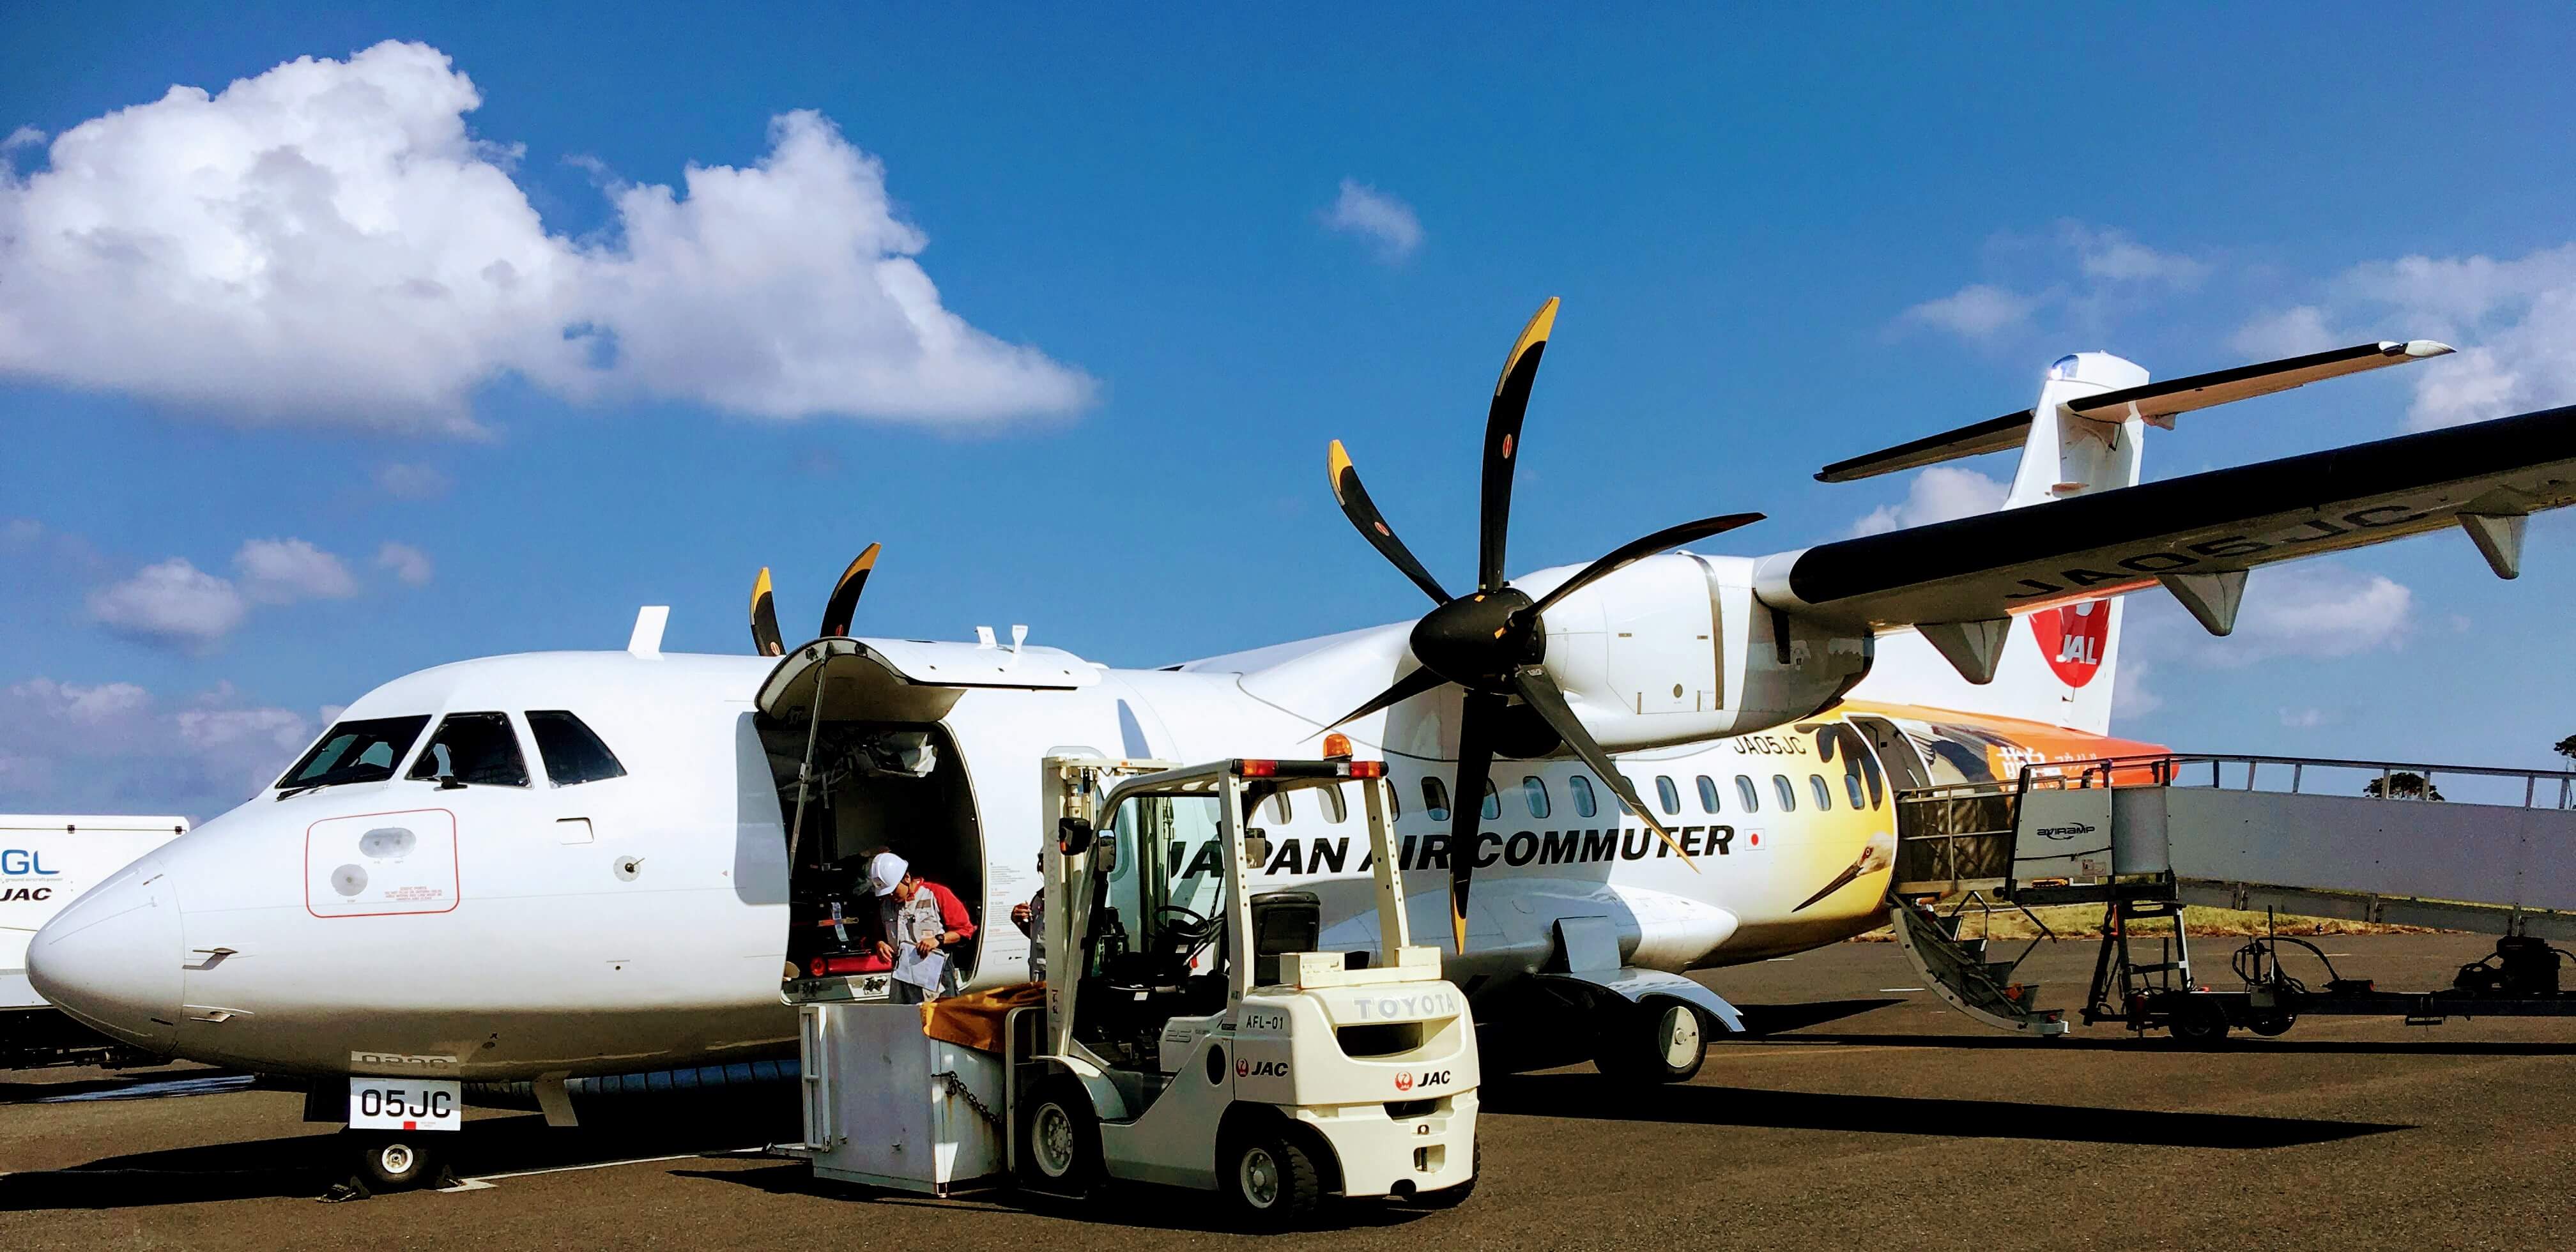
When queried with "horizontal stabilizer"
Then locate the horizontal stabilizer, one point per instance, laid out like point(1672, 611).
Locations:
point(1979, 568)
point(2155, 403)
point(2158, 402)
point(1992, 435)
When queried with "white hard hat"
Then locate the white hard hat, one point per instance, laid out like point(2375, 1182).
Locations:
point(885, 871)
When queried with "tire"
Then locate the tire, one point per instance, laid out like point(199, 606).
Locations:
point(1060, 1139)
point(2199, 1026)
point(1270, 1182)
point(2273, 1027)
point(1661, 1040)
point(393, 1162)
point(1452, 1197)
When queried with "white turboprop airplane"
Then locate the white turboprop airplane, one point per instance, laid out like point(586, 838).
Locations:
point(564, 864)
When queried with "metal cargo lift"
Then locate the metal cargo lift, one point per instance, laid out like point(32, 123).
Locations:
point(2147, 836)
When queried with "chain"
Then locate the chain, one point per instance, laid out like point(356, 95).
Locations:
point(957, 1087)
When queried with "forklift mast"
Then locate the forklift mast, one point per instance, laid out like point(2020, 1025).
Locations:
point(1083, 797)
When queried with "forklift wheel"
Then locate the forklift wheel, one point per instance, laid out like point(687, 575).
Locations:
point(1271, 1180)
point(392, 1162)
point(1659, 1041)
point(1060, 1139)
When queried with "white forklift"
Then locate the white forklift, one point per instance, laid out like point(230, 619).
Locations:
point(1189, 1034)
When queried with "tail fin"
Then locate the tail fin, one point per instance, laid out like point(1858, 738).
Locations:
point(2069, 454)
point(2082, 437)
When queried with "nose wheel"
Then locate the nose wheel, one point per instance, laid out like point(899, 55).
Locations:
point(395, 1160)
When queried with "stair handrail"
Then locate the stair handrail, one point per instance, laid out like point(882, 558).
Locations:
point(2165, 769)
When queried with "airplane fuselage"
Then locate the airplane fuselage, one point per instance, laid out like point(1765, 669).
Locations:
point(641, 921)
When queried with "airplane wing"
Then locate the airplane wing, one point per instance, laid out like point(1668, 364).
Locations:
point(2196, 535)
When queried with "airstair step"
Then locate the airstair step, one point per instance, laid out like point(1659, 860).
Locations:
point(1973, 950)
point(2156, 966)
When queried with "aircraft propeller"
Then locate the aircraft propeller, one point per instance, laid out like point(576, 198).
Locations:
point(837, 611)
point(1491, 642)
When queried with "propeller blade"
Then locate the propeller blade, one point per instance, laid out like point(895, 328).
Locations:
point(1363, 513)
point(1636, 550)
point(1405, 688)
point(1467, 802)
point(1541, 693)
point(764, 619)
point(1503, 441)
point(844, 603)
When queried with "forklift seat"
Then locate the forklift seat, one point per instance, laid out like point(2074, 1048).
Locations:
point(1284, 923)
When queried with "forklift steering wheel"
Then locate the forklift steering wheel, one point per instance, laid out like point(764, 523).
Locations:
point(1186, 927)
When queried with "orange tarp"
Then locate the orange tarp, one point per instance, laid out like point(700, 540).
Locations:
point(975, 1021)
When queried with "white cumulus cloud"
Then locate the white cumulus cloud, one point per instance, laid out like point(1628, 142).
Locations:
point(1976, 311)
point(327, 243)
point(1939, 494)
point(112, 747)
point(283, 571)
point(2113, 255)
point(1387, 222)
point(173, 602)
point(408, 563)
point(2294, 331)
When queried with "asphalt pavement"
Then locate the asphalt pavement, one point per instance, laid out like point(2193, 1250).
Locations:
point(1868, 1115)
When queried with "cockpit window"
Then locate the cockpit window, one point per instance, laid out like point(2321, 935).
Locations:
point(572, 753)
point(359, 751)
point(478, 749)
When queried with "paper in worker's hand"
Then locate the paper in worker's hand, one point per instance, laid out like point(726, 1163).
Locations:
point(921, 969)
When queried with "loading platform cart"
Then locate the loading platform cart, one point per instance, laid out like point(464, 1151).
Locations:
point(2146, 837)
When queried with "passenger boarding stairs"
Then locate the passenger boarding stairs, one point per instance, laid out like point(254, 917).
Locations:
point(2146, 836)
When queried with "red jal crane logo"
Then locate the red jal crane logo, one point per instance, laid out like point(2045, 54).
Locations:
point(2073, 639)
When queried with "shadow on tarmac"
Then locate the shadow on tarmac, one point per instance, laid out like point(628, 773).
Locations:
point(2234, 1043)
point(1588, 1096)
point(1171, 1208)
point(1771, 1019)
point(306, 1164)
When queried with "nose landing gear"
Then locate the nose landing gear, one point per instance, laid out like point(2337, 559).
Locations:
point(388, 1160)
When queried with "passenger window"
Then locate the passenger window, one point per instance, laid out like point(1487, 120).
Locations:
point(572, 753)
point(1280, 813)
point(1534, 794)
point(1581, 788)
point(1620, 794)
point(1335, 807)
point(477, 749)
point(1816, 788)
point(1668, 794)
point(1435, 799)
point(1394, 801)
point(1869, 770)
point(1744, 791)
point(1493, 805)
point(1707, 794)
point(1851, 787)
point(1788, 795)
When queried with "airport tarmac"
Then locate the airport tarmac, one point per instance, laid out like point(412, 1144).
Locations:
point(1871, 1116)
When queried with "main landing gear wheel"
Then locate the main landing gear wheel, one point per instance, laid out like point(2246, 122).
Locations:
point(1271, 1181)
point(390, 1161)
point(1659, 1041)
point(1060, 1140)
point(2273, 1027)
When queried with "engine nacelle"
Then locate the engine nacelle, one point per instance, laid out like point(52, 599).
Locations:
point(1676, 648)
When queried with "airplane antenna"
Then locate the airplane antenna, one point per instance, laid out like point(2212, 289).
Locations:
point(646, 643)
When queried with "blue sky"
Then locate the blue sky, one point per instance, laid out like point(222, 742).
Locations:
point(1779, 243)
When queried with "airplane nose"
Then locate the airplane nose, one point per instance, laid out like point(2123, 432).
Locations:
point(111, 959)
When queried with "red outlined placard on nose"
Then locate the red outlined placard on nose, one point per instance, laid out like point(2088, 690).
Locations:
point(381, 864)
